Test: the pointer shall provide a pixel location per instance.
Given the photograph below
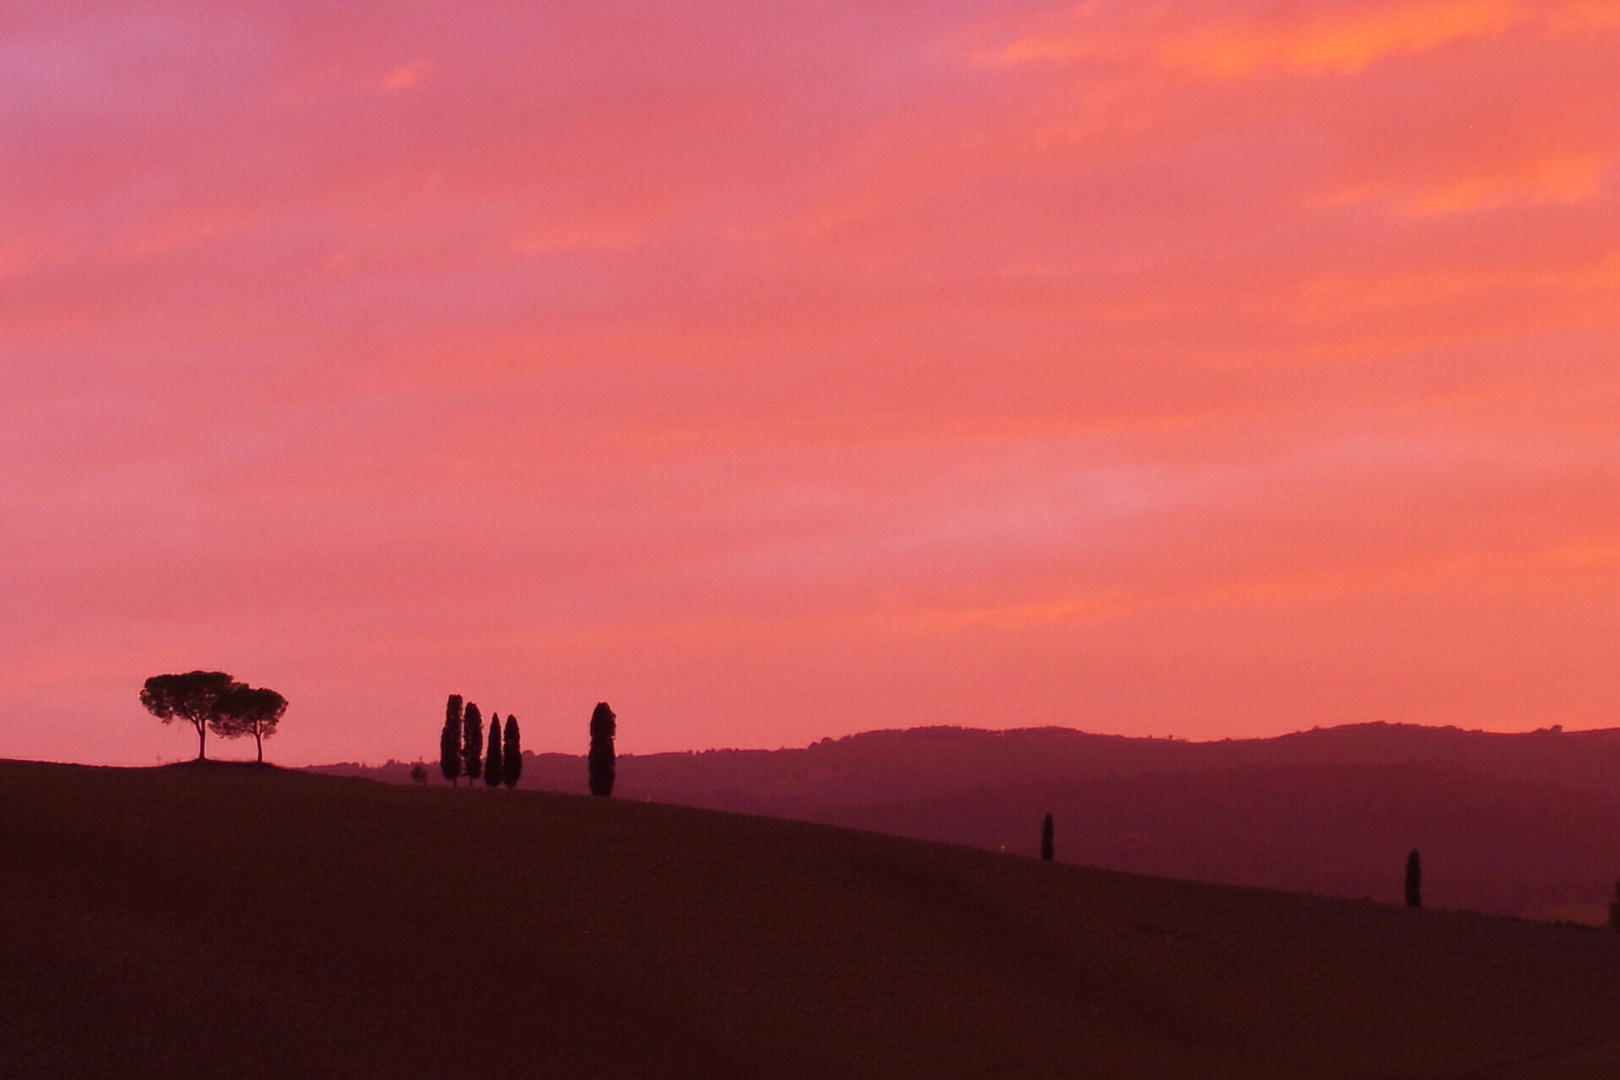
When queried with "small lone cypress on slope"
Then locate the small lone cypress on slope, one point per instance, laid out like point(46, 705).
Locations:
point(472, 743)
point(492, 760)
point(1614, 908)
point(1046, 838)
point(450, 740)
point(602, 764)
point(511, 754)
point(1414, 881)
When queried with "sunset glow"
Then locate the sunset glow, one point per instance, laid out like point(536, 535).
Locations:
point(788, 370)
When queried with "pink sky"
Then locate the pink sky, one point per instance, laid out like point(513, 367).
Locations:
point(782, 370)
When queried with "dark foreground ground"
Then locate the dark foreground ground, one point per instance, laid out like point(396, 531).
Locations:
point(233, 921)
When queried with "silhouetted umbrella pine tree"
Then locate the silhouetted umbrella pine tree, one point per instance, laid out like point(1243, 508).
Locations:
point(511, 754)
point(249, 710)
point(493, 773)
point(1414, 881)
point(472, 743)
point(1614, 908)
point(197, 697)
point(450, 740)
point(602, 764)
point(1046, 838)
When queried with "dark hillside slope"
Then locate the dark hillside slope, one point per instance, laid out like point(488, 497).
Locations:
point(1525, 825)
point(1489, 844)
point(242, 922)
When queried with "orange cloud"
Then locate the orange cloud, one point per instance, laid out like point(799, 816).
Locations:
point(405, 76)
point(1541, 180)
point(1546, 181)
point(1342, 45)
point(1342, 42)
point(596, 230)
point(1221, 367)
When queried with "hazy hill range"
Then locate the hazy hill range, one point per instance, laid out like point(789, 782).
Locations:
point(240, 921)
point(1517, 824)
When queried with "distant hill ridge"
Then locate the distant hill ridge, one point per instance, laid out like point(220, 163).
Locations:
point(914, 762)
point(1522, 824)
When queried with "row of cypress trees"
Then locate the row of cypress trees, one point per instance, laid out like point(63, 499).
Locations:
point(463, 750)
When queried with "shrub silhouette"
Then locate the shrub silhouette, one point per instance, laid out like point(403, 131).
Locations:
point(511, 754)
point(1046, 838)
point(1414, 881)
point(419, 774)
point(493, 773)
point(450, 740)
point(249, 710)
point(602, 764)
point(472, 743)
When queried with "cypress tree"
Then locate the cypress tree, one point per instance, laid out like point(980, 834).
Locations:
point(1614, 908)
point(492, 761)
point(1046, 838)
point(512, 754)
point(450, 740)
point(1414, 881)
point(602, 765)
point(472, 743)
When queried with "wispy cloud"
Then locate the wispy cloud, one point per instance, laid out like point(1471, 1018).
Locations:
point(769, 367)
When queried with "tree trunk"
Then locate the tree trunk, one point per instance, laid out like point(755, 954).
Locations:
point(258, 741)
point(202, 733)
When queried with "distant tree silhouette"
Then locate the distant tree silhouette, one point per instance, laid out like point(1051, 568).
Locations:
point(419, 774)
point(492, 761)
point(472, 743)
point(1046, 838)
point(450, 740)
point(1614, 908)
point(602, 764)
point(511, 754)
point(197, 697)
point(249, 710)
point(1414, 881)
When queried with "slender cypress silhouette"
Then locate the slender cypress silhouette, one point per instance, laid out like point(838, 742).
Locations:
point(511, 754)
point(1046, 838)
point(492, 760)
point(1614, 908)
point(602, 764)
point(450, 740)
point(1414, 881)
point(472, 743)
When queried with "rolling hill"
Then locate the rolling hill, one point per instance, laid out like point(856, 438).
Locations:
point(240, 921)
point(1525, 825)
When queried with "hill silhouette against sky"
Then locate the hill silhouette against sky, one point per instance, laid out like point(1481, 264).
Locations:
point(1525, 824)
point(231, 920)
